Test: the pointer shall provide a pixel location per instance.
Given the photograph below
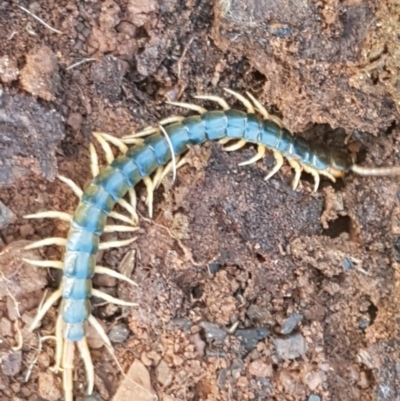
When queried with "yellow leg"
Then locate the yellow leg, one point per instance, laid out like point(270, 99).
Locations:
point(106, 147)
point(190, 106)
point(47, 242)
point(98, 327)
point(59, 343)
point(315, 175)
point(236, 146)
point(94, 161)
point(54, 297)
point(75, 188)
point(279, 164)
point(114, 140)
point(50, 214)
point(297, 172)
point(222, 102)
point(87, 361)
point(326, 174)
point(243, 100)
point(109, 298)
point(68, 369)
point(150, 194)
point(116, 244)
point(260, 154)
point(263, 111)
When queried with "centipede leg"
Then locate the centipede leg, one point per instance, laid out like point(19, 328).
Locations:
point(111, 299)
point(75, 188)
point(115, 244)
point(297, 173)
point(222, 102)
point(105, 146)
point(263, 111)
point(54, 297)
point(236, 146)
point(47, 242)
point(87, 361)
point(260, 154)
point(114, 140)
point(98, 327)
point(242, 99)
point(150, 192)
point(59, 343)
point(190, 106)
point(279, 163)
point(50, 214)
point(68, 368)
point(315, 175)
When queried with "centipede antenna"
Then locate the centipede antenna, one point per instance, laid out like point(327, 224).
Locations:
point(249, 107)
point(127, 206)
point(116, 244)
point(236, 146)
point(173, 158)
point(150, 192)
point(279, 163)
point(376, 171)
point(75, 188)
point(106, 147)
point(115, 141)
point(297, 173)
point(261, 149)
point(119, 216)
point(68, 368)
point(113, 273)
point(190, 106)
point(99, 328)
point(54, 297)
point(94, 161)
point(122, 229)
point(55, 264)
point(51, 215)
point(222, 102)
point(47, 242)
point(87, 361)
point(111, 299)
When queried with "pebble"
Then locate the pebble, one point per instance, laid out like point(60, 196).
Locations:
point(6, 216)
point(250, 337)
point(291, 347)
point(291, 322)
point(259, 315)
point(213, 332)
point(164, 374)
point(119, 333)
point(259, 368)
point(313, 397)
point(47, 387)
point(11, 363)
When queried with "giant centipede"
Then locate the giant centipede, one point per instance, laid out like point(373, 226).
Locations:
point(155, 152)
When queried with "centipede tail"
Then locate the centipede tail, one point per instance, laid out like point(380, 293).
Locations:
point(156, 150)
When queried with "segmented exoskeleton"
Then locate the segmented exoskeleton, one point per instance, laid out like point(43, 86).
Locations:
point(158, 153)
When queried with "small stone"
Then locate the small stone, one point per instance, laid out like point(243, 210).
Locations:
point(8, 69)
point(49, 386)
point(11, 363)
point(250, 337)
point(213, 332)
point(314, 397)
point(291, 322)
point(258, 315)
point(74, 120)
point(119, 333)
point(164, 374)
point(5, 328)
point(180, 323)
point(291, 347)
point(198, 343)
point(259, 368)
point(6, 216)
point(26, 230)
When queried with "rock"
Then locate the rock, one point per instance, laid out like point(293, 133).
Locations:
point(119, 333)
point(313, 397)
point(8, 69)
point(290, 347)
point(258, 315)
point(250, 337)
point(6, 216)
point(11, 363)
point(164, 374)
point(49, 386)
point(291, 322)
point(259, 368)
point(213, 332)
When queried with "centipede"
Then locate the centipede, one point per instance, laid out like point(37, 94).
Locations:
point(149, 156)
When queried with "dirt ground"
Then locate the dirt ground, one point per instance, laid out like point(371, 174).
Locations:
point(247, 290)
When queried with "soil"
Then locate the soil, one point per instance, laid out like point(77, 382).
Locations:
point(247, 290)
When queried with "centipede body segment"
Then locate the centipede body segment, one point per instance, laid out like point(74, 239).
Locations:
point(158, 152)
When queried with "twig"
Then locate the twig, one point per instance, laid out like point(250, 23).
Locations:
point(40, 20)
point(85, 60)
